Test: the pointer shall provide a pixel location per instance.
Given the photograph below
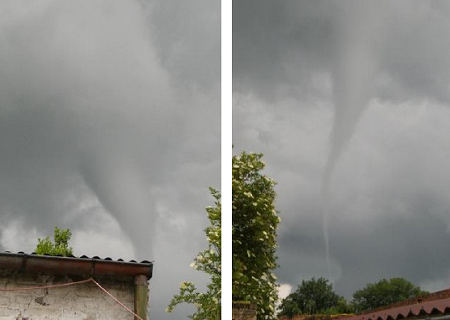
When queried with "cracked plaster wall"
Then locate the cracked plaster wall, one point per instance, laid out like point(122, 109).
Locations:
point(82, 301)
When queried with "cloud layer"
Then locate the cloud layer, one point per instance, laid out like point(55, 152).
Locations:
point(109, 122)
point(354, 95)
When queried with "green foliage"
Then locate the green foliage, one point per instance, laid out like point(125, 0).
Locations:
point(313, 297)
point(342, 307)
point(254, 225)
point(208, 261)
point(60, 247)
point(385, 292)
point(317, 297)
point(289, 307)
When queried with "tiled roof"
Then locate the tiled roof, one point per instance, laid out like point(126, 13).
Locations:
point(81, 266)
point(434, 304)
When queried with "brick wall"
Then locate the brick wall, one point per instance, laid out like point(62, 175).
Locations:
point(244, 311)
point(83, 301)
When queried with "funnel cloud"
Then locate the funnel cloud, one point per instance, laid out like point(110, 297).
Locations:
point(110, 126)
point(348, 101)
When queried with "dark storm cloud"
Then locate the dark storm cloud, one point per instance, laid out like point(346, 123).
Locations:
point(277, 46)
point(178, 44)
point(353, 94)
point(109, 125)
point(269, 39)
point(78, 106)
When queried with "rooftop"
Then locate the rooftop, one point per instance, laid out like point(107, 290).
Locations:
point(83, 266)
point(430, 306)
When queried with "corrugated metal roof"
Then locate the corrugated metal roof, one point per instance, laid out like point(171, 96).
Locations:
point(80, 266)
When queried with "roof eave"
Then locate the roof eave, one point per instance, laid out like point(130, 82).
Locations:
point(87, 267)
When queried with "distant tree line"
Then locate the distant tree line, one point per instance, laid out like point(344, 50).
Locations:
point(316, 296)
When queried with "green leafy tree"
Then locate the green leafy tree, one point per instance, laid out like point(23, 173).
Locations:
point(385, 292)
point(342, 307)
point(254, 226)
point(312, 297)
point(289, 307)
point(60, 246)
point(208, 261)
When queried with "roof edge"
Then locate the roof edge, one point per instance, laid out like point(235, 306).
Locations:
point(84, 266)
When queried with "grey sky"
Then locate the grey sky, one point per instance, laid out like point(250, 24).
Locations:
point(110, 126)
point(349, 101)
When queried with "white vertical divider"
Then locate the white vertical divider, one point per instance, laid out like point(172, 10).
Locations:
point(226, 153)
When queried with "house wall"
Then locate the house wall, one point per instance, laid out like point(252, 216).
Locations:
point(82, 301)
